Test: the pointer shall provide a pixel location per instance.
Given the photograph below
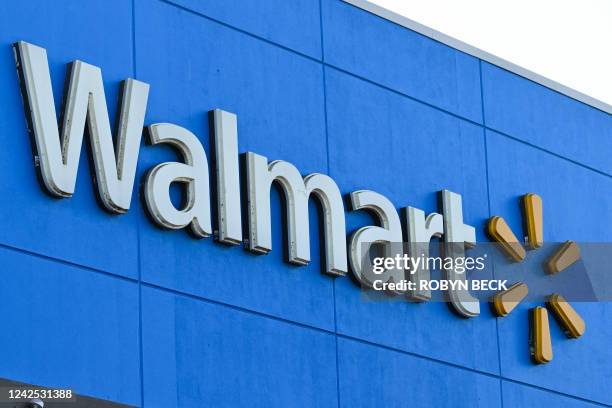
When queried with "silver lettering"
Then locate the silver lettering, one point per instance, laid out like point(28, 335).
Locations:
point(194, 172)
point(85, 102)
point(388, 234)
point(260, 176)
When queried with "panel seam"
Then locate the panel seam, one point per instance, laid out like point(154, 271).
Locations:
point(486, 151)
point(323, 69)
point(138, 241)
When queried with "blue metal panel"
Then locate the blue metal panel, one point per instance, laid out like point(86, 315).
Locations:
point(519, 395)
point(277, 94)
point(199, 354)
point(371, 376)
point(402, 149)
point(545, 118)
point(74, 229)
point(382, 141)
point(65, 326)
point(278, 97)
point(571, 194)
point(294, 24)
point(430, 329)
point(403, 60)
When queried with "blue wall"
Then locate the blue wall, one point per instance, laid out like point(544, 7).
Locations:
point(119, 309)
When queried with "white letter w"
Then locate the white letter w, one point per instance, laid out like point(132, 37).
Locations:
point(85, 102)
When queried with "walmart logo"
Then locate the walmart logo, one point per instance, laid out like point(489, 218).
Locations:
point(503, 303)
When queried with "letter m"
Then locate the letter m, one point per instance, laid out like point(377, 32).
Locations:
point(85, 103)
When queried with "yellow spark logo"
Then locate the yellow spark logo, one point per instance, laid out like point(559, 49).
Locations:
point(505, 302)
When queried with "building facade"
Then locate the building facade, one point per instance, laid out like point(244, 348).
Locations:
point(119, 309)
